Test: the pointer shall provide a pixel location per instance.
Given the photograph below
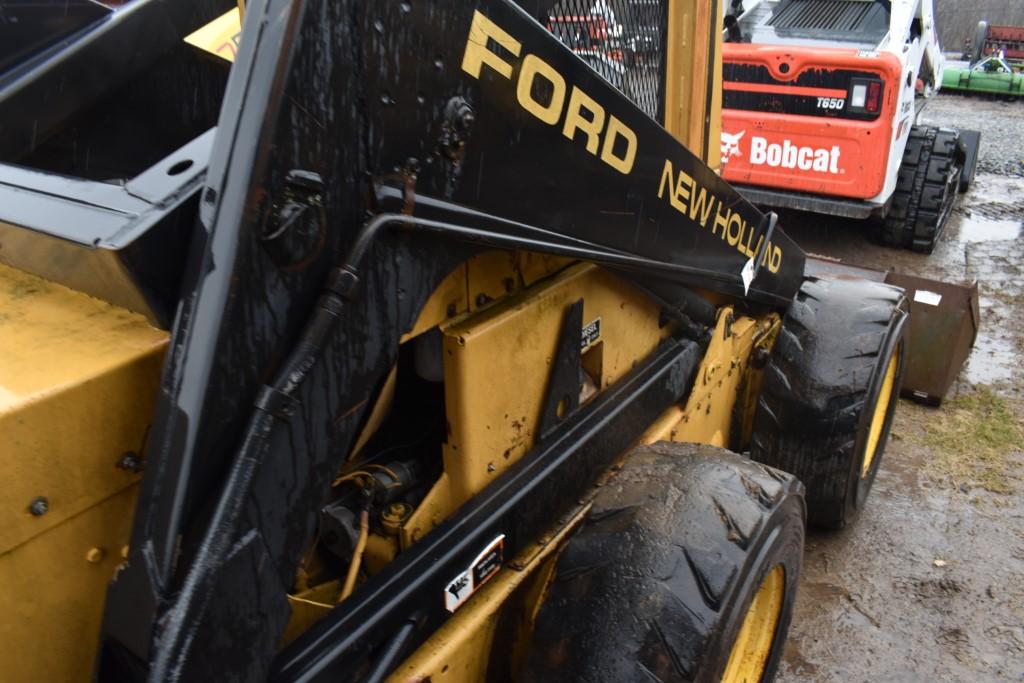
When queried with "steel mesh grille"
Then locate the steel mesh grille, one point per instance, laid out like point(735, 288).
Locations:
point(831, 15)
point(623, 40)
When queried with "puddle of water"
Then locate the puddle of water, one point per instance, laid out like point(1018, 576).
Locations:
point(980, 229)
point(992, 360)
point(997, 188)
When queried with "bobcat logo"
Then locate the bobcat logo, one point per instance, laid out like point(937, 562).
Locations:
point(731, 145)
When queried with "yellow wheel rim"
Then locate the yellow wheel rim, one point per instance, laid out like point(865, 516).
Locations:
point(878, 416)
point(754, 642)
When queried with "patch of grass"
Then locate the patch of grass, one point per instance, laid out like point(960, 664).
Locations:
point(971, 439)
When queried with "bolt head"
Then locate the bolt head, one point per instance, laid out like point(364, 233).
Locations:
point(39, 506)
point(130, 462)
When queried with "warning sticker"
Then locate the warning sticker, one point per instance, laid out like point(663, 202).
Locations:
point(925, 297)
point(591, 333)
point(486, 565)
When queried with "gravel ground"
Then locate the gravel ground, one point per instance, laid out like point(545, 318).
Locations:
point(1000, 123)
point(928, 585)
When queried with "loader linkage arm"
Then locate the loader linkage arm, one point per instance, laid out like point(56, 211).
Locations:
point(364, 150)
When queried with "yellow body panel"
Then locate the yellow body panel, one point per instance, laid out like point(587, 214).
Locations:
point(497, 364)
point(496, 371)
point(693, 78)
point(51, 604)
point(724, 388)
point(511, 345)
point(78, 378)
point(709, 411)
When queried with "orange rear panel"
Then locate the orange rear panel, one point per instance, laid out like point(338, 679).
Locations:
point(787, 122)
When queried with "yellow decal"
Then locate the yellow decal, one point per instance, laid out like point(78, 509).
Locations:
point(699, 205)
point(220, 36)
point(575, 120)
point(477, 53)
point(604, 135)
point(534, 66)
point(618, 130)
point(582, 114)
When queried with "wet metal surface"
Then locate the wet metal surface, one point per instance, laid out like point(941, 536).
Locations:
point(928, 585)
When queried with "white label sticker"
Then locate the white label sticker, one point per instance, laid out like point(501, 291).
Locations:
point(591, 334)
point(748, 275)
point(480, 570)
point(926, 297)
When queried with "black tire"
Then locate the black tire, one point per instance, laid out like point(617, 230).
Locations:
point(925, 190)
point(970, 146)
point(978, 45)
point(821, 384)
point(656, 584)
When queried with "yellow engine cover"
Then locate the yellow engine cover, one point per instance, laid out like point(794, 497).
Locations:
point(78, 379)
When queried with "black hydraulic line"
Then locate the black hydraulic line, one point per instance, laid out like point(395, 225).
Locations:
point(392, 651)
point(346, 277)
point(680, 302)
point(766, 228)
point(390, 200)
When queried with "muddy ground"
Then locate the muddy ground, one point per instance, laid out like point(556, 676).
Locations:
point(928, 585)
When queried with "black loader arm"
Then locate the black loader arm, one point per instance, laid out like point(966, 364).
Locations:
point(364, 150)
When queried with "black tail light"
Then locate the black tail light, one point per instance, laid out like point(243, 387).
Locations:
point(865, 96)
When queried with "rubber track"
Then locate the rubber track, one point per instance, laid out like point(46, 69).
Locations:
point(922, 198)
